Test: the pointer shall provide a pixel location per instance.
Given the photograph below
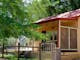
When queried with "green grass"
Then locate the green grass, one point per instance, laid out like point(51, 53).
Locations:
point(7, 55)
point(14, 57)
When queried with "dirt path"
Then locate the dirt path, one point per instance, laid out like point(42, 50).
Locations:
point(3, 59)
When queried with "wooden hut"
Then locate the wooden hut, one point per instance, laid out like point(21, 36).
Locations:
point(67, 28)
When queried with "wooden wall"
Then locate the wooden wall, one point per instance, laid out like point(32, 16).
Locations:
point(78, 35)
point(48, 26)
point(69, 23)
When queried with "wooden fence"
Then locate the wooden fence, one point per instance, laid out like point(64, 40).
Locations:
point(46, 51)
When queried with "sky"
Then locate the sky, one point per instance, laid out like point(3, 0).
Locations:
point(28, 1)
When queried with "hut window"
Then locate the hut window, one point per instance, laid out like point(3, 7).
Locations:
point(64, 38)
point(51, 38)
point(44, 32)
point(55, 37)
point(68, 38)
point(73, 38)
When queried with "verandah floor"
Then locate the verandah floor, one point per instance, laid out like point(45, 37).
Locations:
point(70, 56)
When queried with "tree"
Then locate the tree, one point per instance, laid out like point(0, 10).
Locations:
point(74, 4)
point(61, 6)
point(37, 9)
point(14, 21)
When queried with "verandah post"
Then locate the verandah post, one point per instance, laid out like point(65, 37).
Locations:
point(59, 33)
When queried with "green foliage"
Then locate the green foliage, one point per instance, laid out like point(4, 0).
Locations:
point(10, 13)
point(60, 6)
point(74, 4)
point(14, 20)
point(37, 9)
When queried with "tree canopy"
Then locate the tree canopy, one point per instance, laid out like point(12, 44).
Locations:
point(14, 21)
point(38, 9)
point(61, 6)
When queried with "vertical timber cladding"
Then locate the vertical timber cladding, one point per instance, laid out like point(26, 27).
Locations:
point(78, 35)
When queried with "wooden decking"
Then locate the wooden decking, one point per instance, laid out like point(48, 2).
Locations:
point(70, 56)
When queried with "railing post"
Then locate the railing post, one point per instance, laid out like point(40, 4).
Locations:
point(58, 54)
point(40, 51)
point(18, 50)
point(53, 50)
point(3, 50)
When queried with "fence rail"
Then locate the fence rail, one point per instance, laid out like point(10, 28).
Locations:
point(44, 51)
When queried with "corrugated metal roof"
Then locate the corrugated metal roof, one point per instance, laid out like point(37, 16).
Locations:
point(71, 15)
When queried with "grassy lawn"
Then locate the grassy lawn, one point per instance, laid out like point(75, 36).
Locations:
point(13, 57)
